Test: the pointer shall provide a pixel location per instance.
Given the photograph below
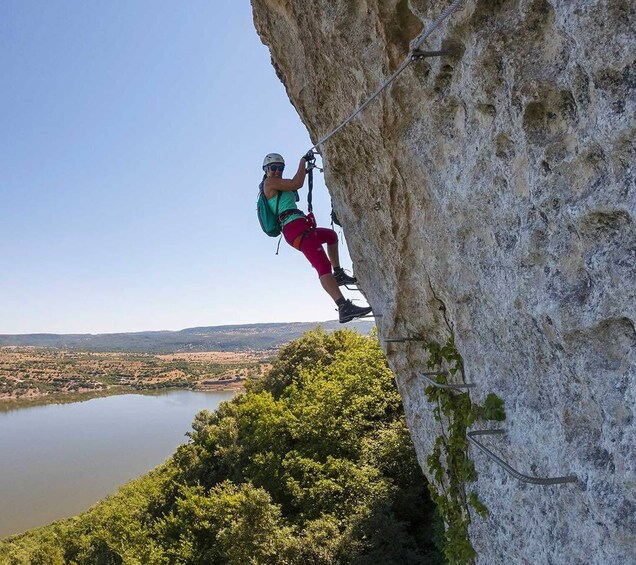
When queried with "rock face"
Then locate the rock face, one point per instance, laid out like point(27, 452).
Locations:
point(494, 192)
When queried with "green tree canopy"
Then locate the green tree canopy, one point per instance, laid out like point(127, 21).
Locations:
point(312, 464)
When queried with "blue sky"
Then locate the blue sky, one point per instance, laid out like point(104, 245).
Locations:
point(131, 139)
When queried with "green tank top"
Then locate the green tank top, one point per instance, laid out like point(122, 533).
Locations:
point(287, 202)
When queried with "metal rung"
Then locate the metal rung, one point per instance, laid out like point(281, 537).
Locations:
point(516, 474)
point(418, 54)
point(426, 377)
point(352, 287)
point(414, 375)
point(369, 316)
point(403, 339)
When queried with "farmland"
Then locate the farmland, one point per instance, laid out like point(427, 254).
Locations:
point(41, 374)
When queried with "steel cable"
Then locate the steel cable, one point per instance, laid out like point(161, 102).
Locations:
point(418, 41)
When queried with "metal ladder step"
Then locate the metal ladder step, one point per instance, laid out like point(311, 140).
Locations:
point(516, 474)
point(471, 436)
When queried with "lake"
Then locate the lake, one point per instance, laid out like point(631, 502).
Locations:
point(57, 460)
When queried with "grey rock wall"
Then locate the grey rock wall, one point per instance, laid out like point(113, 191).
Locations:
point(494, 192)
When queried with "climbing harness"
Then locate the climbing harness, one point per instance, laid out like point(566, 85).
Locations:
point(288, 213)
point(414, 55)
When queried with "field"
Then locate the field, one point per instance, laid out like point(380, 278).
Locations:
point(36, 374)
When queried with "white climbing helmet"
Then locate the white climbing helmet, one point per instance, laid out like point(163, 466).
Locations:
point(273, 158)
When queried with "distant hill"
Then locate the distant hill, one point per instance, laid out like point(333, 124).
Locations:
point(214, 338)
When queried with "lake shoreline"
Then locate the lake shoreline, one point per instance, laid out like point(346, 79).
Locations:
point(65, 457)
point(35, 377)
point(14, 402)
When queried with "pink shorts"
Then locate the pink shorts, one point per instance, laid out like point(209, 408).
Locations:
point(312, 243)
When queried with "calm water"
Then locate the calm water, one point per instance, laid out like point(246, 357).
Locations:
point(57, 460)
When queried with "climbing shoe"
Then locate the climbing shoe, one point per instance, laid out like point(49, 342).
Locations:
point(343, 278)
point(348, 311)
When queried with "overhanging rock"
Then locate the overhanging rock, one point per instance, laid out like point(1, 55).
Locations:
point(493, 191)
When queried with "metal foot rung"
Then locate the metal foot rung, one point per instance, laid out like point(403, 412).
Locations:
point(516, 474)
point(403, 339)
point(426, 377)
point(418, 54)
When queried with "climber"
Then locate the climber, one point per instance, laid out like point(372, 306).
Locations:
point(301, 232)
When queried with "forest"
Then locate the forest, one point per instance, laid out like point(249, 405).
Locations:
point(313, 463)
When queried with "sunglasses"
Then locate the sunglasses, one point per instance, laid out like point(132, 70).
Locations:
point(275, 168)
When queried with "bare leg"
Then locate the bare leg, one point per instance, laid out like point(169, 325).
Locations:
point(329, 283)
point(332, 252)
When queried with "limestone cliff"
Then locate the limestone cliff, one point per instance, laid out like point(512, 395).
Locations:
point(494, 192)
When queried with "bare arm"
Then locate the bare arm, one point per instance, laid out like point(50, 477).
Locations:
point(273, 184)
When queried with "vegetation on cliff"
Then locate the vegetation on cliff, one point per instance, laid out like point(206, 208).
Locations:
point(313, 464)
point(449, 463)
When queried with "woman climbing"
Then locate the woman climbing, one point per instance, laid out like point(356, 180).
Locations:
point(302, 233)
